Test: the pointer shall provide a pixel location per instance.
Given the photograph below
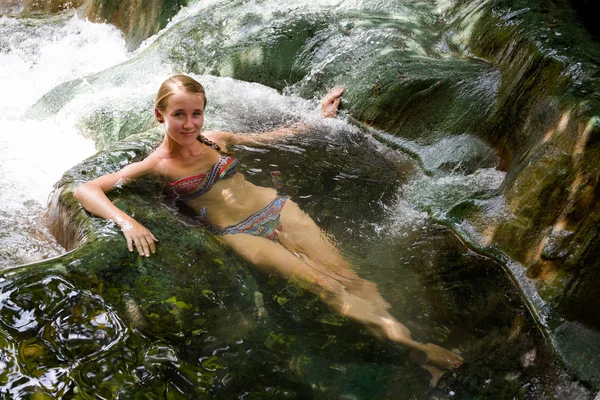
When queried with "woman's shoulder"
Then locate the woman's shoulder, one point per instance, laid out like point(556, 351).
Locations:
point(157, 163)
point(218, 136)
point(147, 166)
point(222, 138)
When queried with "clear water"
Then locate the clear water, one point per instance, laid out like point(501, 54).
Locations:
point(68, 339)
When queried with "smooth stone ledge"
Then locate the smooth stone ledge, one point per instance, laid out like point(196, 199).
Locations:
point(577, 347)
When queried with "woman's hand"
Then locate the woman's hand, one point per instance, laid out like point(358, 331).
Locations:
point(138, 235)
point(331, 102)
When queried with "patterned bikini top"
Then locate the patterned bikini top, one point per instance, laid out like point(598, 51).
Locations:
point(193, 186)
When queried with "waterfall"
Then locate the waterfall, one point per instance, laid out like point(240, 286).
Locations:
point(35, 56)
point(419, 180)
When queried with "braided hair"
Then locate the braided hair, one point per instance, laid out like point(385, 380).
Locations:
point(202, 139)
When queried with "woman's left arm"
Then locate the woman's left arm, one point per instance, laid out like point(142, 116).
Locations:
point(250, 139)
point(329, 109)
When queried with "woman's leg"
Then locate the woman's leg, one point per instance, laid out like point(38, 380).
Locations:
point(272, 257)
point(301, 236)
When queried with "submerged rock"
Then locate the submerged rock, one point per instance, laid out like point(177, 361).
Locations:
point(192, 318)
point(168, 284)
point(465, 87)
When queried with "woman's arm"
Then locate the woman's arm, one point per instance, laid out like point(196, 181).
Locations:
point(92, 197)
point(329, 109)
point(231, 139)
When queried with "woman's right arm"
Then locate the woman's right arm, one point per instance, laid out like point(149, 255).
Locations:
point(92, 197)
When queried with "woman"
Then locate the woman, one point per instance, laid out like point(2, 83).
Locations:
point(267, 230)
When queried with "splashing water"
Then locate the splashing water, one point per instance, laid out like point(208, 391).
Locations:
point(35, 56)
point(61, 335)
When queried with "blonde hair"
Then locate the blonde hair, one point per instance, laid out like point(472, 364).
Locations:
point(188, 85)
point(181, 82)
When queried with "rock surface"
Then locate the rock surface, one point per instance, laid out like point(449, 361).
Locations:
point(516, 81)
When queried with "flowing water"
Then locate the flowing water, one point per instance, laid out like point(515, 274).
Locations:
point(35, 56)
point(61, 340)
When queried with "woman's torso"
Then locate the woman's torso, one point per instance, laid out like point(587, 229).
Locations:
point(210, 185)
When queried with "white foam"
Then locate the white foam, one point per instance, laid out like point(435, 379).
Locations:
point(36, 56)
point(34, 155)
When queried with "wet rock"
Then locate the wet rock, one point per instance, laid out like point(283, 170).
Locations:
point(32, 7)
point(548, 149)
point(581, 354)
point(503, 92)
point(137, 20)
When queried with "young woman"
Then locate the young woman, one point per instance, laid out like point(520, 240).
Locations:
point(268, 230)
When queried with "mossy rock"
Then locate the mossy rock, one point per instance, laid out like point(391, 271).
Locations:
point(160, 314)
point(385, 71)
point(187, 276)
point(137, 21)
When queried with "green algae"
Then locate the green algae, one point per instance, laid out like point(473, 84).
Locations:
point(531, 90)
point(119, 324)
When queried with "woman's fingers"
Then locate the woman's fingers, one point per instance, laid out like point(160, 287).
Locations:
point(151, 244)
point(142, 238)
point(138, 245)
point(146, 245)
point(331, 102)
point(335, 105)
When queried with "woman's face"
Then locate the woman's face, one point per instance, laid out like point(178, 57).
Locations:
point(183, 117)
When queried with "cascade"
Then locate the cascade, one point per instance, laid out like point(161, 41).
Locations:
point(460, 177)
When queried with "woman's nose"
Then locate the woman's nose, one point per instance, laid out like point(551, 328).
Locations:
point(188, 122)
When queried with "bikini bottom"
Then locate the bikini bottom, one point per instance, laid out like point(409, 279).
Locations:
point(264, 223)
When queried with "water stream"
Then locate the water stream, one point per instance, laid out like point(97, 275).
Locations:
point(35, 56)
point(60, 340)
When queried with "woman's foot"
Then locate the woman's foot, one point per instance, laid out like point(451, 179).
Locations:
point(331, 102)
point(436, 373)
point(442, 357)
